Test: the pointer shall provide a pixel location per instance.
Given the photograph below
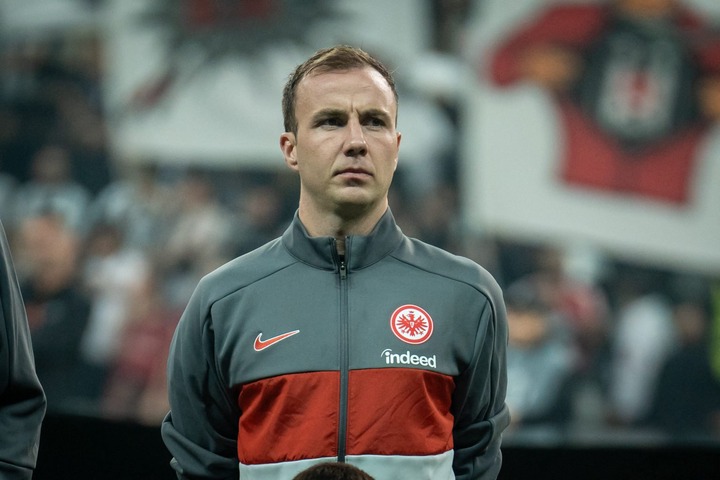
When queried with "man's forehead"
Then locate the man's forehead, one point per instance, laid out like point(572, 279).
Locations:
point(355, 79)
point(338, 88)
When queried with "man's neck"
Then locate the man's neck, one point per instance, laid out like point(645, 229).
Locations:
point(339, 226)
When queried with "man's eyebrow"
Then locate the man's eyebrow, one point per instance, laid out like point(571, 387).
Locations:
point(329, 112)
point(341, 113)
point(375, 112)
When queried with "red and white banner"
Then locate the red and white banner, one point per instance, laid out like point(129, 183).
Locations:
point(601, 148)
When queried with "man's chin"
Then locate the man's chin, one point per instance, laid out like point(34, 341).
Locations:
point(355, 205)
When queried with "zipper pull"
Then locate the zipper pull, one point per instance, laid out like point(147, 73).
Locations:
point(343, 270)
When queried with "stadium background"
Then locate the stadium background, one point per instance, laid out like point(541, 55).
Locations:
point(157, 124)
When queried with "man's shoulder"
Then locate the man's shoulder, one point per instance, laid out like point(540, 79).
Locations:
point(433, 259)
point(246, 269)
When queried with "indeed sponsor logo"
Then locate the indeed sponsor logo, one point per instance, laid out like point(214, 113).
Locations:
point(408, 359)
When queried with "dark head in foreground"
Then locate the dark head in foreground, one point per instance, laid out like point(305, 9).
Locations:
point(332, 471)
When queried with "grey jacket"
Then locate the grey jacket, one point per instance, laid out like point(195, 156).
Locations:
point(22, 401)
point(391, 358)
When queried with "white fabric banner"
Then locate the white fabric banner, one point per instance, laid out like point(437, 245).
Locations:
point(168, 102)
point(517, 181)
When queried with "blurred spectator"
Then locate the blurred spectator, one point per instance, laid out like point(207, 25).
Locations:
point(449, 17)
point(568, 280)
point(9, 126)
point(8, 184)
point(540, 357)
point(112, 274)
point(20, 75)
point(516, 259)
point(686, 401)
point(642, 339)
point(436, 217)
point(199, 238)
point(137, 202)
point(23, 127)
point(429, 156)
point(72, 84)
point(261, 217)
point(136, 387)
point(52, 189)
point(57, 310)
point(85, 132)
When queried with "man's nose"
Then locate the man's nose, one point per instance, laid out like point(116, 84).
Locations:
point(355, 144)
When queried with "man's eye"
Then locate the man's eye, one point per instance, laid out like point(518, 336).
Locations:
point(330, 122)
point(375, 122)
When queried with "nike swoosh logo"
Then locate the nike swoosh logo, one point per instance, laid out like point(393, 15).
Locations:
point(263, 344)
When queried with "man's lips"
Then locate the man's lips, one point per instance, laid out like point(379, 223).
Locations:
point(353, 171)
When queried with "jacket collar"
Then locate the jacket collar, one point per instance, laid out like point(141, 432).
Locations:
point(360, 250)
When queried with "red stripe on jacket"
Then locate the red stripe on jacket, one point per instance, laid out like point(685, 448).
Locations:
point(394, 411)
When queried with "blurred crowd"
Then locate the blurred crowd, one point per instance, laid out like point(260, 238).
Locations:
point(108, 253)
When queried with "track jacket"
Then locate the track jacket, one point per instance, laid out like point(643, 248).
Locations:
point(391, 358)
point(22, 401)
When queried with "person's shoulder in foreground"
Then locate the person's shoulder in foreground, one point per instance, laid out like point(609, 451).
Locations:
point(22, 401)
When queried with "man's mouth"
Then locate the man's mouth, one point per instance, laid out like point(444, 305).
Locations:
point(353, 172)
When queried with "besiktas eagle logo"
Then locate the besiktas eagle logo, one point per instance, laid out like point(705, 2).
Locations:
point(411, 324)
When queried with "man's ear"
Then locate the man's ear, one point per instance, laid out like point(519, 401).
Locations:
point(398, 137)
point(287, 145)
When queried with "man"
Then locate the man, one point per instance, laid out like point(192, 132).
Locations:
point(22, 401)
point(57, 309)
point(343, 339)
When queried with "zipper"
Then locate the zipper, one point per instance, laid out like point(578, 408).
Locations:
point(342, 270)
point(344, 354)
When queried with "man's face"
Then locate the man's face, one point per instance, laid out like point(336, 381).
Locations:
point(346, 146)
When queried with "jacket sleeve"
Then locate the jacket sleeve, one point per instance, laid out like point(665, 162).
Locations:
point(22, 401)
point(200, 431)
point(480, 411)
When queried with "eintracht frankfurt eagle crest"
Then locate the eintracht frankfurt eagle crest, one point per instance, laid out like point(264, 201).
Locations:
point(411, 324)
